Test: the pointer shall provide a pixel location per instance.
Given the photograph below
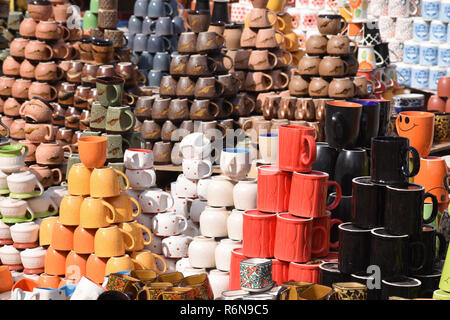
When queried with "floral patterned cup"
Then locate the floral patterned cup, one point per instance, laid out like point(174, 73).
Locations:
point(256, 274)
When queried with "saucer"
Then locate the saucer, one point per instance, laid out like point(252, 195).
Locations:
point(25, 245)
point(4, 191)
point(18, 219)
point(45, 214)
point(266, 288)
point(4, 242)
point(15, 267)
point(33, 271)
point(29, 195)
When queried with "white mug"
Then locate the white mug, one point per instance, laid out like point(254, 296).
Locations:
point(19, 294)
point(50, 294)
point(138, 159)
point(168, 224)
point(141, 179)
point(235, 163)
point(155, 200)
point(186, 188)
point(197, 208)
point(268, 147)
point(404, 28)
point(42, 205)
point(176, 246)
point(156, 245)
point(87, 290)
point(182, 206)
point(197, 169)
point(402, 8)
point(202, 188)
point(195, 146)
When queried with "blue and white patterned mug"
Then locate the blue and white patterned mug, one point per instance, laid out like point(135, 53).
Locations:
point(438, 31)
point(420, 76)
point(411, 52)
point(421, 30)
point(444, 13)
point(444, 55)
point(404, 74)
point(435, 73)
point(430, 9)
point(428, 54)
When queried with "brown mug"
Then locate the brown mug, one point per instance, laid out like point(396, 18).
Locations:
point(287, 108)
point(340, 45)
point(11, 107)
point(48, 71)
point(46, 176)
point(225, 106)
point(27, 28)
point(106, 70)
point(209, 41)
point(40, 10)
point(363, 86)
point(66, 93)
point(230, 84)
point(168, 86)
point(318, 87)
point(203, 109)
point(178, 64)
point(143, 108)
point(280, 79)
point(167, 130)
point(309, 65)
point(261, 60)
point(208, 88)
point(51, 30)
point(61, 12)
point(85, 119)
point(185, 87)
point(187, 42)
point(27, 70)
point(58, 115)
point(6, 84)
point(20, 89)
point(150, 130)
point(259, 18)
point(198, 20)
point(332, 66)
point(258, 81)
point(38, 51)
point(81, 97)
point(316, 45)
point(248, 38)
point(200, 65)
point(284, 58)
point(17, 47)
point(243, 105)
point(38, 132)
point(72, 119)
point(232, 34)
point(42, 90)
point(218, 27)
point(268, 39)
point(161, 152)
point(74, 73)
point(36, 110)
point(64, 50)
point(11, 67)
point(17, 129)
point(255, 126)
point(240, 75)
point(305, 109)
point(341, 88)
point(64, 135)
point(331, 23)
point(89, 74)
point(320, 107)
point(271, 106)
point(125, 70)
point(179, 109)
point(160, 108)
point(239, 59)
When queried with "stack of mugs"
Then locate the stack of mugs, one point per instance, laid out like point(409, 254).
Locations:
point(153, 33)
point(426, 52)
point(394, 226)
point(104, 15)
point(96, 233)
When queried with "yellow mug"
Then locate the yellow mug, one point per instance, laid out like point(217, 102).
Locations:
point(135, 229)
point(118, 264)
point(96, 213)
point(69, 210)
point(291, 41)
point(147, 259)
point(110, 242)
point(45, 230)
point(78, 180)
point(104, 182)
point(124, 207)
point(286, 26)
point(276, 5)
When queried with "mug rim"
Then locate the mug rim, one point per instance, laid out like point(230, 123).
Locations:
point(289, 217)
point(344, 104)
point(357, 229)
point(396, 284)
point(406, 187)
point(374, 232)
point(256, 261)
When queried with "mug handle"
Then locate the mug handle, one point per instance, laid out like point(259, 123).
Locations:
point(418, 243)
point(282, 37)
point(52, 54)
point(380, 57)
point(54, 205)
point(311, 145)
point(126, 180)
point(416, 163)
point(141, 226)
point(216, 107)
point(434, 212)
point(169, 196)
point(130, 114)
point(252, 102)
point(31, 214)
point(345, 26)
point(231, 62)
point(274, 56)
point(55, 93)
point(286, 82)
point(59, 175)
point(290, 57)
point(113, 212)
point(129, 248)
point(169, 7)
point(282, 23)
point(221, 86)
point(7, 131)
point(332, 223)
point(274, 14)
point(338, 197)
point(214, 63)
point(270, 79)
point(222, 38)
point(185, 222)
point(246, 122)
point(70, 150)
point(446, 184)
point(167, 47)
point(138, 206)
point(157, 256)
point(324, 238)
point(416, 8)
point(152, 175)
point(41, 188)
point(209, 172)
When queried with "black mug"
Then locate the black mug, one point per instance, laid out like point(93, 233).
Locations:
point(385, 115)
point(393, 254)
point(342, 123)
point(354, 248)
point(403, 213)
point(428, 237)
point(326, 157)
point(329, 273)
point(351, 163)
point(430, 282)
point(367, 203)
point(370, 122)
point(342, 212)
point(402, 287)
point(373, 284)
point(383, 49)
point(389, 163)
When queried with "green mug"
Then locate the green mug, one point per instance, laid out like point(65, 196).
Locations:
point(94, 6)
point(90, 20)
point(135, 140)
point(116, 145)
point(88, 133)
point(110, 91)
point(98, 116)
point(441, 295)
point(120, 119)
point(73, 159)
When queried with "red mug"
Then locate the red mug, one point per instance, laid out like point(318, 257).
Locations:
point(296, 148)
point(258, 234)
point(280, 271)
point(306, 272)
point(235, 264)
point(293, 238)
point(274, 188)
point(311, 190)
point(325, 223)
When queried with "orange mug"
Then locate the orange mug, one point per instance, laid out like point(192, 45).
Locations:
point(124, 207)
point(62, 237)
point(110, 242)
point(55, 262)
point(45, 230)
point(6, 279)
point(432, 173)
point(118, 264)
point(135, 229)
point(95, 268)
point(93, 151)
point(78, 180)
point(75, 265)
point(96, 213)
point(49, 281)
point(147, 260)
point(418, 127)
point(69, 210)
point(83, 240)
point(104, 182)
